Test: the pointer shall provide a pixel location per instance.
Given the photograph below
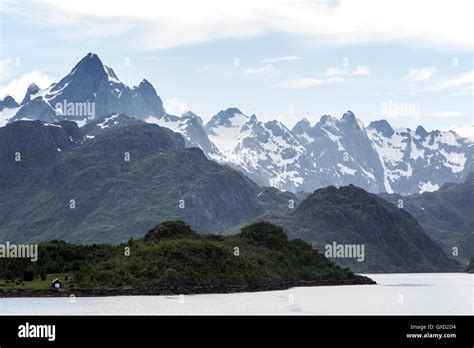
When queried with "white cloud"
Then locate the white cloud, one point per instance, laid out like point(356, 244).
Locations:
point(309, 82)
point(5, 67)
point(448, 114)
point(174, 106)
point(421, 23)
point(17, 87)
point(463, 131)
point(267, 69)
point(465, 79)
point(330, 76)
point(361, 70)
point(358, 71)
point(423, 73)
point(463, 92)
point(460, 85)
point(280, 59)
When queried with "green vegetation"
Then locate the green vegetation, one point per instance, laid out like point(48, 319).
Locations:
point(38, 282)
point(173, 255)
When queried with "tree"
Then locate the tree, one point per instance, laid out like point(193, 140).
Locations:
point(28, 275)
point(43, 274)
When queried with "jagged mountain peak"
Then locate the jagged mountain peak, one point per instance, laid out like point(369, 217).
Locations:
point(301, 127)
point(349, 117)
point(191, 115)
point(232, 110)
point(145, 84)
point(349, 120)
point(327, 120)
point(30, 91)
point(8, 102)
point(223, 117)
point(88, 61)
point(228, 118)
point(89, 91)
point(82, 83)
point(383, 127)
point(421, 132)
point(90, 65)
point(277, 128)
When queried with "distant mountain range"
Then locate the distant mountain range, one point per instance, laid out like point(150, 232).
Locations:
point(333, 151)
point(91, 160)
point(116, 177)
point(340, 152)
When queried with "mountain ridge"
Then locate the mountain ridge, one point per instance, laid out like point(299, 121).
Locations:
point(107, 185)
point(333, 151)
point(392, 240)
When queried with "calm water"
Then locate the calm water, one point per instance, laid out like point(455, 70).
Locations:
point(427, 293)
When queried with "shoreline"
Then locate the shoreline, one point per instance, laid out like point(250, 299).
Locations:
point(172, 291)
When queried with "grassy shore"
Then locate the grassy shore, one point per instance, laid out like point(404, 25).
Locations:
point(37, 283)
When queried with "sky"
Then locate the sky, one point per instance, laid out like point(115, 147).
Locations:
point(410, 62)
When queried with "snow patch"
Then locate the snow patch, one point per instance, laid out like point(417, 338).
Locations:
point(427, 186)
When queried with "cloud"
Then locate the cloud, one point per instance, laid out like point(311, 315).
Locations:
point(463, 92)
point(17, 87)
point(5, 67)
point(267, 69)
point(361, 70)
point(309, 82)
point(358, 71)
point(447, 114)
point(174, 106)
point(330, 76)
point(463, 131)
point(182, 22)
point(462, 80)
point(423, 73)
point(280, 59)
point(459, 85)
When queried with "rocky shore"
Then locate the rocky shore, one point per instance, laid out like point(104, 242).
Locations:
point(183, 290)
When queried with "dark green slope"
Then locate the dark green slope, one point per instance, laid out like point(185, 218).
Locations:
point(447, 215)
point(393, 240)
point(117, 199)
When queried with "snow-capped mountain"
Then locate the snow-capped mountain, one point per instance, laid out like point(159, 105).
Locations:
point(191, 127)
point(89, 91)
point(340, 152)
point(333, 151)
point(8, 109)
point(419, 161)
point(267, 152)
point(92, 91)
